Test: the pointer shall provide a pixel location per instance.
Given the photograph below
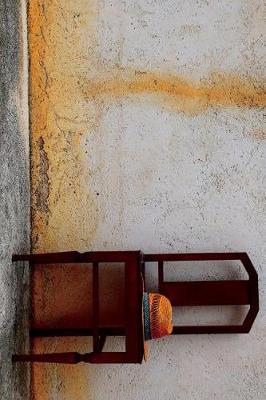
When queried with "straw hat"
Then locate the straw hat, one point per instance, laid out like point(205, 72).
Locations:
point(157, 318)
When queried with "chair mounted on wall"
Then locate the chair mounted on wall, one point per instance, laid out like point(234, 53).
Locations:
point(180, 293)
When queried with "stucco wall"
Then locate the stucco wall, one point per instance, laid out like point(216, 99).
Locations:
point(147, 131)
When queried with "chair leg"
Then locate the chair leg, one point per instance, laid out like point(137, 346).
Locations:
point(101, 343)
point(49, 258)
point(23, 257)
point(61, 358)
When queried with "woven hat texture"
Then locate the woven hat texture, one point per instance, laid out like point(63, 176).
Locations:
point(157, 312)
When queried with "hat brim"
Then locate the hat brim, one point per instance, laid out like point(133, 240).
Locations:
point(145, 343)
point(155, 305)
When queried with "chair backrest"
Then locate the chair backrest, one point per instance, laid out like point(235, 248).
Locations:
point(208, 293)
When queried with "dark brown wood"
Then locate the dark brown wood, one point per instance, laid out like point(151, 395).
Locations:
point(95, 283)
point(143, 273)
point(253, 293)
point(75, 358)
point(109, 358)
point(133, 294)
point(64, 358)
point(101, 343)
point(192, 257)
point(208, 329)
point(103, 331)
point(76, 257)
point(160, 272)
point(49, 258)
point(206, 293)
point(134, 266)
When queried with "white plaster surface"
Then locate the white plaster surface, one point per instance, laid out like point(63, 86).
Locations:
point(168, 181)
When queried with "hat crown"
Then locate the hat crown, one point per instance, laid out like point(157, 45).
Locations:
point(157, 316)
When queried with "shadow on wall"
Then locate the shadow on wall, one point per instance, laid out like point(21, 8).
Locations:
point(61, 298)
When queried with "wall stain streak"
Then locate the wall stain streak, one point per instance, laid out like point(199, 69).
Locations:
point(64, 214)
point(179, 94)
point(42, 190)
point(59, 117)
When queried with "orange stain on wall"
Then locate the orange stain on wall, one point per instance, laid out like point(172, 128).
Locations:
point(177, 93)
point(58, 34)
point(59, 294)
point(63, 208)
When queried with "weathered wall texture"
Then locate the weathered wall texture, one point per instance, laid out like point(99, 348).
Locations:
point(147, 131)
point(14, 198)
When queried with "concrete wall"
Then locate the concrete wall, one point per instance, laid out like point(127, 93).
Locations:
point(147, 131)
point(14, 197)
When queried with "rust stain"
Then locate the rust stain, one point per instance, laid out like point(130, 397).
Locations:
point(58, 119)
point(61, 297)
point(63, 209)
point(186, 29)
point(62, 381)
point(42, 190)
point(177, 93)
point(258, 134)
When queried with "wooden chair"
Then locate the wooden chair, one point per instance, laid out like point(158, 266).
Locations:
point(188, 293)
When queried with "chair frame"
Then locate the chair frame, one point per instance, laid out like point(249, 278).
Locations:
point(191, 293)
